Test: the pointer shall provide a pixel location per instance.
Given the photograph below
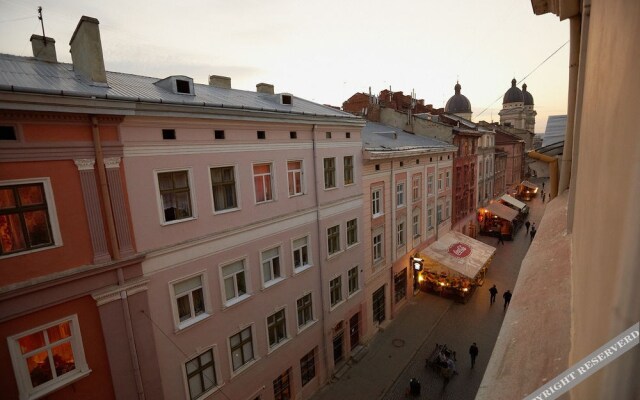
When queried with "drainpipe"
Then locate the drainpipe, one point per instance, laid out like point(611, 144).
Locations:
point(553, 170)
point(320, 267)
point(574, 63)
point(393, 230)
point(106, 200)
point(104, 188)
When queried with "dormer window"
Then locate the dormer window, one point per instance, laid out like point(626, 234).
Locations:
point(8, 133)
point(286, 99)
point(177, 84)
point(182, 86)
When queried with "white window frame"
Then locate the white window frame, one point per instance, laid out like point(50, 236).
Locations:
point(377, 246)
point(51, 209)
point(415, 223)
point(271, 181)
point(20, 368)
point(400, 197)
point(299, 247)
point(179, 325)
point(291, 174)
point(216, 373)
point(275, 279)
point(351, 291)
point(355, 232)
point(376, 202)
point(447, 182)
point(283, 340)
point(439, 216)
point(401, 233)
point(250, 361)
point(325, 171)
point(447, 209)
point(235, 188)
point(429, 218)
point(416, 182)
point(238, 297)
point(334, 304)
point(338, 244)
point(430, 185)
point(310, 321)
point(346, 171)
point(440, 188)
point(192, 194)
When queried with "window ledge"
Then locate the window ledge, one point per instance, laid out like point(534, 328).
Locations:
point(182, 326)
point(243, 368)
point(278, 345)
point(338, 304)
point(62, 383)
point(226, 211)
point(306, 327)
point(234, 301)
point(301, 269)
point(177, 221)
point(272, 282)
point(521, 361)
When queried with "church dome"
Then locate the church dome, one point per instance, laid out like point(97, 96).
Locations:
point(513, 95)
point(528, 98)
point(458, 103)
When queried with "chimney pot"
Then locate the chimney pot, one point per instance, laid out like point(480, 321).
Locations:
point(264, 88)
point(86, 50)
point(44, 48)
point(222, 82)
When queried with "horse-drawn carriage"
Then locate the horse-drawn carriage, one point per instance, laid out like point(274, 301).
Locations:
point(442, 361)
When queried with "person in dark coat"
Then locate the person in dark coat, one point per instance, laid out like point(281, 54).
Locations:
point(507, 298)
point(500, 238)
point(528, 225)
point(494, 292)
point(473, 352)
point(533, 232)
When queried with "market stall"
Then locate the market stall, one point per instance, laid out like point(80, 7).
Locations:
point(514, 203)
point(497, 219)
point(455, 265)
point(526, 190)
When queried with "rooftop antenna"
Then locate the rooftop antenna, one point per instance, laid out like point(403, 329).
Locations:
point(44, 37)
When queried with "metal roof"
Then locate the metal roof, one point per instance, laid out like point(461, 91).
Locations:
point(380, 137)
point(555, 130)
point(30, 75)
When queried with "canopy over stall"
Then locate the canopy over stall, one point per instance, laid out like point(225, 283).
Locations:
point(502, 211)
point(455, 265)
point(514, 202)
point(530, 185)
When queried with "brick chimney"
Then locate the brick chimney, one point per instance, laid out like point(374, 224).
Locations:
point(44, 48)
point(222, 82)
point(86, 50)
point(264, 88)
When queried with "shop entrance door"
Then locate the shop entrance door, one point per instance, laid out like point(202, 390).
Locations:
point(354, 331)
point(378, 305)
point(338, 348)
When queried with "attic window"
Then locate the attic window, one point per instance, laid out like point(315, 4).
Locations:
point(377, 167)
point(430, 159)
point(401, 163)
point(183, 86)
point(8, 133)
point(417, 161)
point(348, 135)
point(287, 99)
point(168, 134)
point(262, 135)
point(328, 135)
point(219, 134)
point(293, 135)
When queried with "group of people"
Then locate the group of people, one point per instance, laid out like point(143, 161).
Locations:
point(506, 296)
point(533, 229)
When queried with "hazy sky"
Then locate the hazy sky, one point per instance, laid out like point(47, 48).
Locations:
point(324, 51)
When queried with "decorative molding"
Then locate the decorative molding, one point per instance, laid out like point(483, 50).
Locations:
point(112, 162)
point(58, 117)
point(84, 164)
point(114, 292)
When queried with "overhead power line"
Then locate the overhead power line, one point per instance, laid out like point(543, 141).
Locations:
point(526, 76)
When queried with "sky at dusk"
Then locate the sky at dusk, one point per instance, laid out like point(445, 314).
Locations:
point(324, 51)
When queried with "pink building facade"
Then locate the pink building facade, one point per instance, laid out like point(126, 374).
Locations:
point(407, 184)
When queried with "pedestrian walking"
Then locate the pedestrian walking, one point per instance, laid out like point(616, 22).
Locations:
point(528, 225)
point(507, 299)
point(473, 352)
point(500, 238)
point(542, 185)
point(543, 195)
point(494, 292)
point(533, 232)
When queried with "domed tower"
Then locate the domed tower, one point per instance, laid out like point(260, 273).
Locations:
point(458, 104)
point(517, 108)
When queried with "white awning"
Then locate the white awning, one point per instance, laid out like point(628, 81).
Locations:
point(502, 211)
point(513, 201)
point(530, 185)
point(459, 253)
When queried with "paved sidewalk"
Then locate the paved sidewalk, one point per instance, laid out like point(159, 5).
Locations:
point(398, 353)
point(389, 352)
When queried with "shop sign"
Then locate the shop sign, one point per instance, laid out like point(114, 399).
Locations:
point(459, 250)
